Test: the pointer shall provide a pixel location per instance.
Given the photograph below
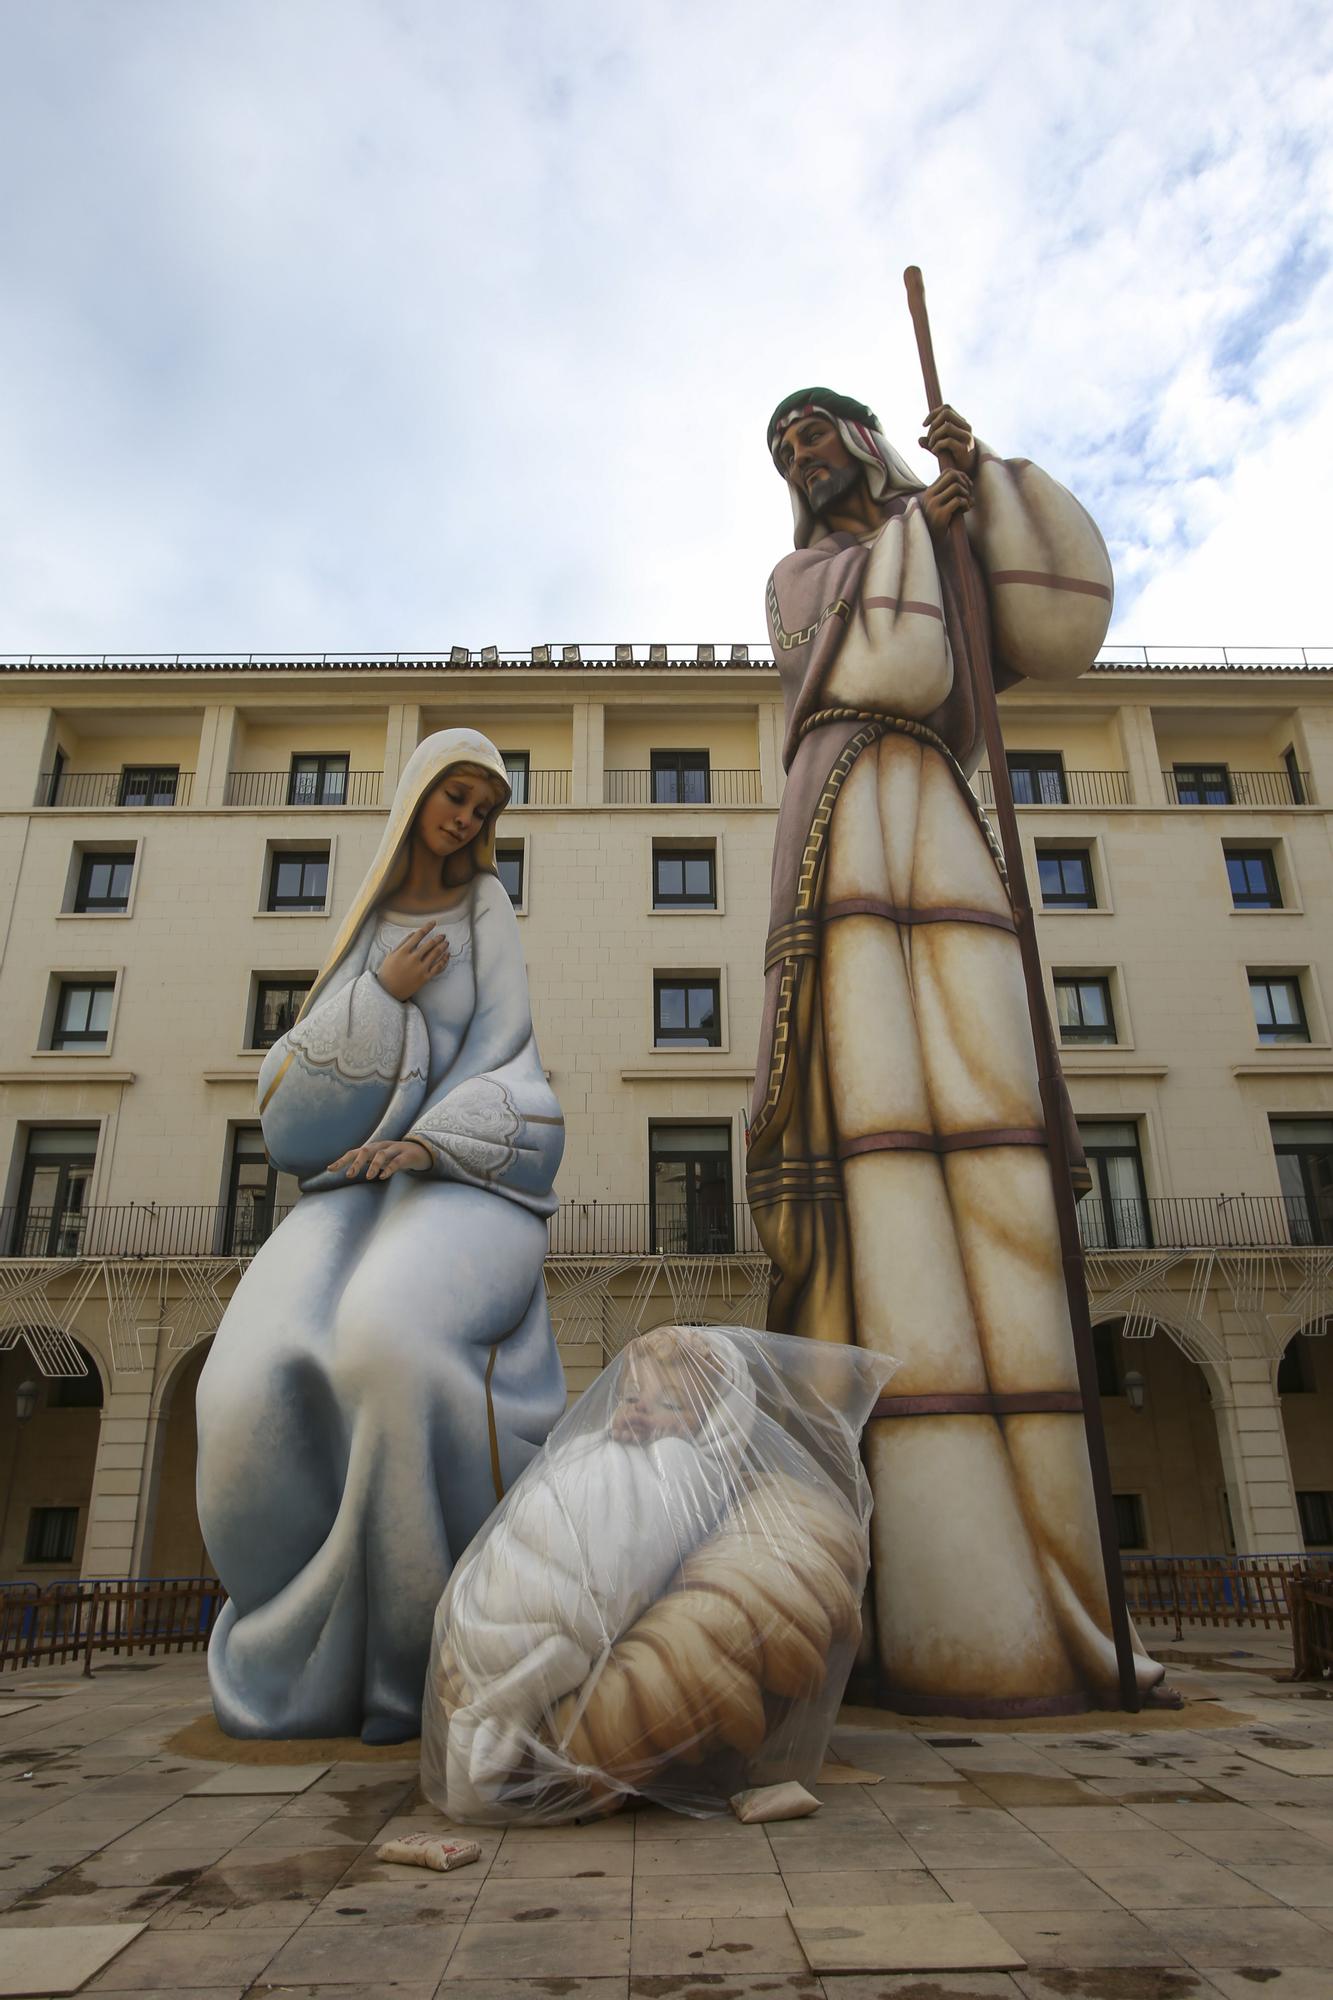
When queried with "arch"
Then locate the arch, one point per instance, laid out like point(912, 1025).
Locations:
point(172, 1542)
point(47, 1466)
point(1303, 1383)
point(164, 1389)
point(1166, 1460)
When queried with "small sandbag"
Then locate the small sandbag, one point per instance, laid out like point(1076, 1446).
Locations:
point(429, 1850)
point(790, 1801)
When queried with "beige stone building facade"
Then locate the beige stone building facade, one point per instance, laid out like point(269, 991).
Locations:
point(178, 837)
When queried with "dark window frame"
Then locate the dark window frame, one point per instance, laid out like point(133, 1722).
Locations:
point(1316, 1517)
point(709, 1225)
point(280, 857)
point(518, 769)
point(681, 767)
point(1131, 1522)
point(1295, 1371)
point(1202, 778)
point(249, 1216)
point(1313, 1223)
point(664, 900)
point(59, 1525)
point(67, 1040)
point(157, 775)
point(690, 983)
point(1248, 898)
point(1084, 1033)
point(1279, 1035)
point(1294, 778)
point(327, 764)
point(512, 851)
point(291, 985)
point(1116, 1210)
point(91, 859)
point(1064, 898)
point(1107, 1354)
point(1028, 769)
point(74, 1170)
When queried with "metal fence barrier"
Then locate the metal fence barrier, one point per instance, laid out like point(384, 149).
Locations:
point(1218, 1590)
point(54, 1624)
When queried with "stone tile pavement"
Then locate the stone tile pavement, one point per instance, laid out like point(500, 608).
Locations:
point(1159, 1863)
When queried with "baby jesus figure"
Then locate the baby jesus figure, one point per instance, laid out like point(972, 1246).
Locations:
point(672, 1573)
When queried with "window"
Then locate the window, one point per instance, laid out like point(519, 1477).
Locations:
point(258, 1196)
point(680, 777)
point(518, 770)
point(686, 1014)
point(1106, 1351)
point(277, 1004)
point(317, 781)
point(53, 1190)
point(1253, 878)
point(1065, 876)
point(1295, 1371)
point(509, 867)
point(1304, 1150)
point(1114, 1214)
point(1083, 1008)
point(1130, 1532)
point(149, 784)
point(1292, 765)
point(83, 1014)
point(1202, 784)
point(299, 880)
point(104, 883)
point(1316, 1512)
point(1278, 1013)
point(52, 1533)
point(684, 878)
point(691, 1179)
point(1037, 778)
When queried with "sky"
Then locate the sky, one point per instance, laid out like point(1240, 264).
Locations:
point(402, 324)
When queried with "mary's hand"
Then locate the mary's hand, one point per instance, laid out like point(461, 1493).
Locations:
point(382, 1158)
point(409, 965)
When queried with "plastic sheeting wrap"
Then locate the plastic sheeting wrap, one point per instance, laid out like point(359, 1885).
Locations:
point(667, 1602)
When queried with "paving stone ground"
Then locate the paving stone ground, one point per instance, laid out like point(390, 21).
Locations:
point(1122, 1864)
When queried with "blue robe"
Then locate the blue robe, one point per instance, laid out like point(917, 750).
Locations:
point(386, 1367)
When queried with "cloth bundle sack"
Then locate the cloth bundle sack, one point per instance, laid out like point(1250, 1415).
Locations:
point(667, 1602)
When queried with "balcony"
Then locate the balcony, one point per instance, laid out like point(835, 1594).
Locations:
point(1199, 1222)
point(539, 788)
point(1219, 785)
point(132, 788)
point(288, 788)
point(1062, 788)
point(703, 788)
point(640, 1229)
point(580, 1229)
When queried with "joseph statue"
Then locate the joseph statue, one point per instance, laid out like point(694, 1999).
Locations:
point(897, 1164)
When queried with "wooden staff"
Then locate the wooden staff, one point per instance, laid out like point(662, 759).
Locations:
point(960, 566)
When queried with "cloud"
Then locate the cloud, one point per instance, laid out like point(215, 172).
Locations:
point(394, 325)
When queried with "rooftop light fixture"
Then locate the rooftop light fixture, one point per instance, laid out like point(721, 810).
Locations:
point(657, 655)
point(706, 655)
point(459, 656)
point(570, 656)
point(541, 656)
point(624, 656)
point(740, 653)
point(490, 656)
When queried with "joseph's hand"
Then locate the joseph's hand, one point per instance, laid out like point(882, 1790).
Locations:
point(383, 1158)
point(949, 438)
point(950, 494)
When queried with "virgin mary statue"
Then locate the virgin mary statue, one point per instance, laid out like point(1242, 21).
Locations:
point(386, 1366)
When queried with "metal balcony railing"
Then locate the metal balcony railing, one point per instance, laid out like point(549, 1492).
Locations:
point(645, 1229)
point(588, 1229)
point(1238, 788)
point(1201, 1222)
point(88, 789)
point(282, 788)
point(705, 788)
point(1062, 788)
point(539, 788)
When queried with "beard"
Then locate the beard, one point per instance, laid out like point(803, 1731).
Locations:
point(833, 487)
